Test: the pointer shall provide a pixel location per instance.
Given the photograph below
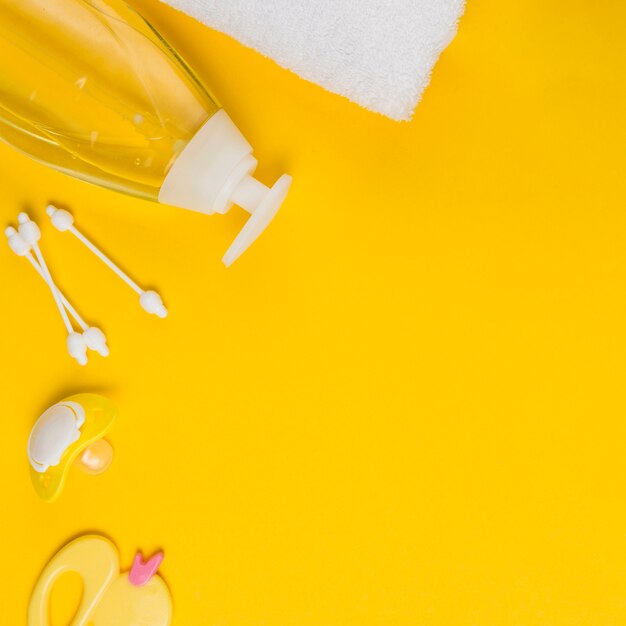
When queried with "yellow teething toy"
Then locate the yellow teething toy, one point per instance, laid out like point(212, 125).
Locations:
point(71, 430)
point(137, 598)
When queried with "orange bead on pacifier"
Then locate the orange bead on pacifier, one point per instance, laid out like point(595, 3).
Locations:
point(70, 432)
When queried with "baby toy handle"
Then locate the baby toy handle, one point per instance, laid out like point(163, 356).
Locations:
point(95, 559)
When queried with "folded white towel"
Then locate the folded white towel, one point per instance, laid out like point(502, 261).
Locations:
point(378, 53)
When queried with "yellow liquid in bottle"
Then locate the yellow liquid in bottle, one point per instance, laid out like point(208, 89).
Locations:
point(91, 89)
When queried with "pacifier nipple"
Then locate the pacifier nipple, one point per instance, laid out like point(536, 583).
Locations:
point(97, 458)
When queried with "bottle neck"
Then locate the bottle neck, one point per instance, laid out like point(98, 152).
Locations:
point(249, 193)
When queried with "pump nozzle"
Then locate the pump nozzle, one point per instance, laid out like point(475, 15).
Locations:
point(214, 171)
point(263, 203)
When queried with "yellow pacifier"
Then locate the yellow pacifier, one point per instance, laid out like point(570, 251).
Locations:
point(71, 430)
point(137, 598)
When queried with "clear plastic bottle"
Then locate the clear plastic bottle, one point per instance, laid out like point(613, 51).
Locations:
point(89, 88)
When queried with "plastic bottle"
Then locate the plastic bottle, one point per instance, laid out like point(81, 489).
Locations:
point(89, 88)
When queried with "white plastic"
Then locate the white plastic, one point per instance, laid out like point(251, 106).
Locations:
point(28, 230)
point(96, 340)
point(77, 347)
point(61, 220)
point(150, 301)
point(271, 200)
point(214, 171)
point(56, 429)
point(16, 242)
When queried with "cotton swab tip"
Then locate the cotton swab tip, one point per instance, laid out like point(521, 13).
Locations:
point(16, 242)
point(77, 347)
point(61, 219)
point(28, 229)
point(96, 340)
point(151, 303)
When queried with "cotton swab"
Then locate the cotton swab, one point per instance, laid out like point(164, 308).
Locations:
point(21, 245)
point(93, 338)
point(30, 233)
point(149, 300)
point(64, 301)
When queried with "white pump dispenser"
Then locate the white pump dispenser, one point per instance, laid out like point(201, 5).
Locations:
point(214, 171)
point(91, 89)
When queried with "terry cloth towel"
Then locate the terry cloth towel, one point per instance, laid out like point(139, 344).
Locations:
point(378, 53)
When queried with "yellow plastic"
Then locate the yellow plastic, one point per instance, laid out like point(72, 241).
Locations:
point(108, 598)
point(100, 414)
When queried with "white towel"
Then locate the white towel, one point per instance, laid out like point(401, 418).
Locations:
point(378, 53)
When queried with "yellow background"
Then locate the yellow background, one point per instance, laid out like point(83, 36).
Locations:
point(405, 405)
